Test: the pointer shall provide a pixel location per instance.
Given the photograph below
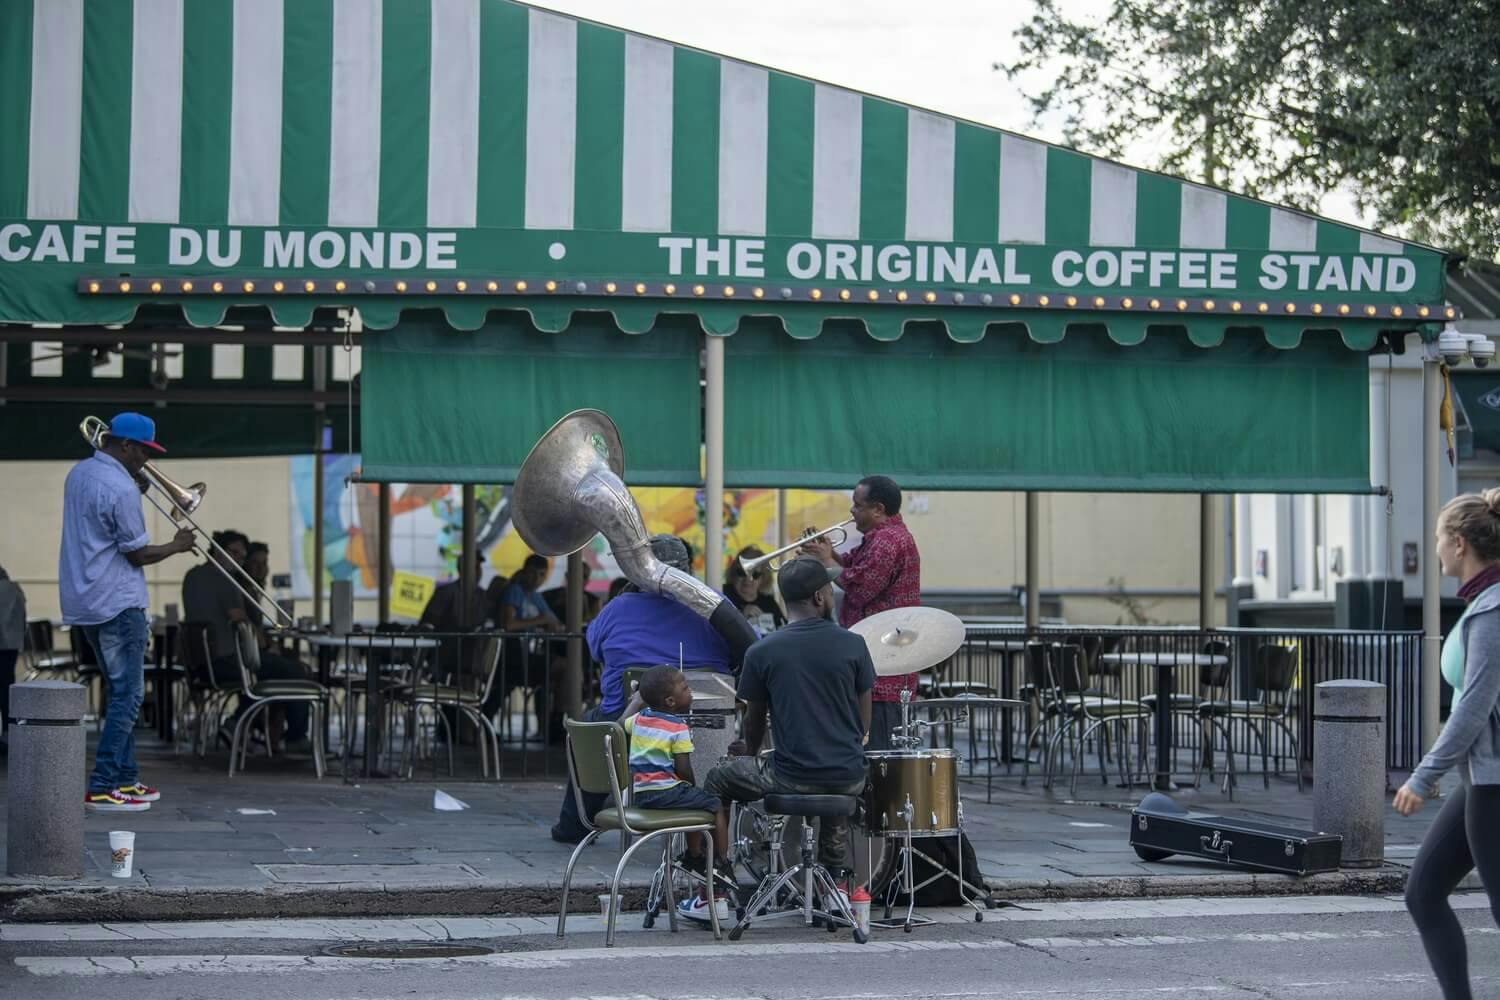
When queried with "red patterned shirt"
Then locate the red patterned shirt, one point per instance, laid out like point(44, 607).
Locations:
point(884, 571)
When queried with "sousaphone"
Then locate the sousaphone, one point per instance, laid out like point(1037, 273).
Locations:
point(572, 487)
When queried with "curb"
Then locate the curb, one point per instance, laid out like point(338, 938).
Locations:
point(35, 903)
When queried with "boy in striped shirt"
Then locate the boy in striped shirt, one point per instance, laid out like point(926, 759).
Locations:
point(661, 772)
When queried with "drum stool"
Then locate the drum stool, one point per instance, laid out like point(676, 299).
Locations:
point(807, 878)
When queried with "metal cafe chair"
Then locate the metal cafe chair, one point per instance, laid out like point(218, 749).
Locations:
point(1213, 687)
point(1273, 674)
point(599, 764)
point(464, 702)
point(261, 695)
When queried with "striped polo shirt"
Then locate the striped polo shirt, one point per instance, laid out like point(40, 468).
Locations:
point(655, 737)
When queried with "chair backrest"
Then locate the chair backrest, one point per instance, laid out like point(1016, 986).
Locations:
point(193, 648)
point(83, 650)
point(1216, 675)
point(489, 662)
point(1037, 674)
point(1069, 675)
point(247, 653)
point(598, 762)
point(39, 636)
point(1275, 668)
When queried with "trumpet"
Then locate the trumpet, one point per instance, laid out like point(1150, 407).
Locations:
point(185, 500)
point(773, 559)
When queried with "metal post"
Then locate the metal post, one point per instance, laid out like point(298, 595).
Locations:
point(782, 534)
point(713, 460)
point(317, 566)
point(1205, 561)
point(1432, 598)
point(468, 560)
point(1033, 565)
point(572, 694)
point(383, 560)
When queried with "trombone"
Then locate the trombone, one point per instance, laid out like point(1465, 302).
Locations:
point(185, 500)
point(773, 559)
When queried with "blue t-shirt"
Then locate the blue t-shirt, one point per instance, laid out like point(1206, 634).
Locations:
point(638, 629)
point(526, 604)
point(102, 521)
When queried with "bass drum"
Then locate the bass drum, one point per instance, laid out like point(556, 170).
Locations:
point(912, 787)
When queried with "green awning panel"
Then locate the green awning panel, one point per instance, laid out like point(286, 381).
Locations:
point(467, 406)
point(213, 159)
point(35, 431)
point(1082, 414)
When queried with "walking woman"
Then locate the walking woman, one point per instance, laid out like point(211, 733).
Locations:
point(1464, 834)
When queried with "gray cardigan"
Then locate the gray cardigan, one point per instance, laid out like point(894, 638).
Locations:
point(1472, 735)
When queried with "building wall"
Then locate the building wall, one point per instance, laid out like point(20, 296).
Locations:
point(969, 541)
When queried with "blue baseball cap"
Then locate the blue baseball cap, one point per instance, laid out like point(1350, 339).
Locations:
point(135, 427)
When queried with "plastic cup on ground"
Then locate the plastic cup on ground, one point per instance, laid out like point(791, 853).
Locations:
point(604, 904)
point(121, 853)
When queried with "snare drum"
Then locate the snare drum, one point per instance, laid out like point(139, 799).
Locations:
point(926, 779)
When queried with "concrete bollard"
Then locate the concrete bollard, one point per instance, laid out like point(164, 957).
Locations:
point(44, 818)
point(1349, 768)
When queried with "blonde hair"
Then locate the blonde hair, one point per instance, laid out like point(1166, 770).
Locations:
point(1475, 517)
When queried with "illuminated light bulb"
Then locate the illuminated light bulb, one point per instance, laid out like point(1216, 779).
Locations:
point(1098, 302)
point(929, 297)
point(640, 288)
point(1155, 304)
point(124, 286)
point(1072, 301)
point(218, 286)
point(94, 287)
point(1369, 310)
point(400, 286)
point(277, 286)
point(1043, 300)
point(1317, 308)
point(432, 286)
point(900, 296)
point(729, 291)
point(669, 289)
point(187, 286)
point(759, 293)
point(521, 286)
point(551, 286)
point(1291, 307)
point(1181, 304)
point(609, 286)
point(1344, 309)
point(156, 286)
point(816, 293)
point(1450, 312)
point(844, 294)
point(1423, 311)
point(1127, 303)
point(1261, 307)
point(1395, 310)
point(1015, 300)
point(1209, 305)
point(697, 289)
point(493, 286)
point(249, 286)
point(339, 286)
point(308, 286)
point(872, 295)
point(462, 286)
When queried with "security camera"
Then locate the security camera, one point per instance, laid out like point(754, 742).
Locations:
point(1481, 350)
point(159, 379)
point(1454, 347)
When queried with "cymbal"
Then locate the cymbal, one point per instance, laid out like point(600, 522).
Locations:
point(910, 640)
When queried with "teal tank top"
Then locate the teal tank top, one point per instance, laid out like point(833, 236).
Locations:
point(1452, 659)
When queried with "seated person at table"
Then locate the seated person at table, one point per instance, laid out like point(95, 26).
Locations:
point(661, 772)
point(516, 605)
point(210, 597)
point(815, 679)
point(642, 630)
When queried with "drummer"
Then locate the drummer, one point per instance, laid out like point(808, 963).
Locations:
point(815, 679)
point(638, 629)
point(884, 571)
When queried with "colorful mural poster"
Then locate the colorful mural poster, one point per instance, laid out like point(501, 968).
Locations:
point(426, 527)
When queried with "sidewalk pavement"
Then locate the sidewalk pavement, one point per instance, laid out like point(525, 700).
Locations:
point(277, 842)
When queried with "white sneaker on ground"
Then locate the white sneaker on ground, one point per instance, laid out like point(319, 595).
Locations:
point(697, 909)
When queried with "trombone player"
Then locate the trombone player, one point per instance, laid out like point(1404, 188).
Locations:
point(103, 593)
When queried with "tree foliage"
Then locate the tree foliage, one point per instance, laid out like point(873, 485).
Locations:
point(1395, 101)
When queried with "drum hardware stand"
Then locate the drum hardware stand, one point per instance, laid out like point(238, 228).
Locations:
point(805, 882)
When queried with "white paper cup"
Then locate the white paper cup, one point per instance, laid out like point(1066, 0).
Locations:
point(604, 904)
point(121, 853)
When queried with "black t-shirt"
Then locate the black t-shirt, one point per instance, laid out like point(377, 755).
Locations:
point(209, 596)
point(763, 604)
point(812, 673)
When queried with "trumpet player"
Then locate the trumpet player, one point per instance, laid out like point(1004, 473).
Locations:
point(103, 593)
point(884, 571)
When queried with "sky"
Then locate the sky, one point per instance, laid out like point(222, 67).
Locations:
point(936, 54)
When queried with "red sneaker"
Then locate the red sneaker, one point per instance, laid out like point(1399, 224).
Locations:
point(113, 802)
point(139, 791)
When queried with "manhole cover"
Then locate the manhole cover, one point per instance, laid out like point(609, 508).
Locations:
point(406, 950)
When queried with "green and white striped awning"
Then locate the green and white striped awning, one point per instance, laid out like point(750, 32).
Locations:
point(482, 154)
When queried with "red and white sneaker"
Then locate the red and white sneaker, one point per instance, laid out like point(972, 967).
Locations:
point(113, 802)
point(139, 791)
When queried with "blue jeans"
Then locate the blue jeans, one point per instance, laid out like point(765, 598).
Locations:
point(120, 646)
